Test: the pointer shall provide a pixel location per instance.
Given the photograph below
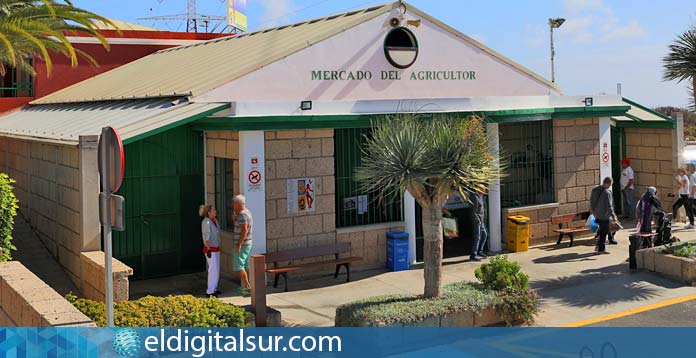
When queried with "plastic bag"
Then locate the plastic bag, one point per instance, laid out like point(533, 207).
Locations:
point(591, 224)
point(449, 226)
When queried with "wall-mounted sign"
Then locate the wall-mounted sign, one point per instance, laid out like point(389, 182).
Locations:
point(358, 203)
point(301, 195)
point(393, 75)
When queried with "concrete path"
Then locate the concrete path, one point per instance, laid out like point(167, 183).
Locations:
point(575, 284)
point(32, 253)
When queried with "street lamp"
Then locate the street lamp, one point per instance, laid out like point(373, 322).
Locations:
point(554, 24)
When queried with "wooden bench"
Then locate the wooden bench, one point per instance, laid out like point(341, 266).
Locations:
point(337, 250)
point(566, 220)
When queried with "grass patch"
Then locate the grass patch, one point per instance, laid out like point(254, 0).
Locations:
point(682, 249)
point(407, 309)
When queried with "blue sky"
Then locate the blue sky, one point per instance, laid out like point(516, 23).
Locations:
point(603, 42)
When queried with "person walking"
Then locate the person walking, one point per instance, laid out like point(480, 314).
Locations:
point(243, 231)
point(691, 173)
point(211, 248)
point(684, 190)
point(602, 206)
point(648, 206)
point(480, 233)
point(627, 188)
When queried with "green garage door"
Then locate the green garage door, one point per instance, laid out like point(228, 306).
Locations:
point(162, 186)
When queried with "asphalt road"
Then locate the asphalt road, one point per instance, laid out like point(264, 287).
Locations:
point(677, 315)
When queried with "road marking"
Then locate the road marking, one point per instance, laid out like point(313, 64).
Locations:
point(633, 311)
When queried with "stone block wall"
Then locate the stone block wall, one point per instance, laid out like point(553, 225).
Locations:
point(369, 242)
point(300, 154)
point(93, 275)
point(576, 172)
point(25, 300)
point(49, 191)
point(651, 154)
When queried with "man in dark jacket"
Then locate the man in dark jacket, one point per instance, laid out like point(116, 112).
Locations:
point(602, 206)
point(480, 233)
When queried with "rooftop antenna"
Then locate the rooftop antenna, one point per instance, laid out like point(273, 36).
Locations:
point(192, 17)
point(618, 89)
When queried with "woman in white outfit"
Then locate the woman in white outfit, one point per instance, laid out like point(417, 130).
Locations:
point(211, 248)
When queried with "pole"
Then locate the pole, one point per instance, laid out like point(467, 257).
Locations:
point(258, 289)
point(106, 224)
point(553, 69)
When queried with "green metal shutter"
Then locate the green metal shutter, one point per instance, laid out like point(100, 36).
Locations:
point(163, 186)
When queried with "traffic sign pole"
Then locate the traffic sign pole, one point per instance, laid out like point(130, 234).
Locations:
point(104, 197)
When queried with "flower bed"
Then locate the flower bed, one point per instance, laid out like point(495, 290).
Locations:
point(675, 260)
point(502, 298)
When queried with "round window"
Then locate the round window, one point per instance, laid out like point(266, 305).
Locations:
point(401, 47)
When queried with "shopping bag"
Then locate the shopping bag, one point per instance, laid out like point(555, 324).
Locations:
point(591, 224)
point(449, 226)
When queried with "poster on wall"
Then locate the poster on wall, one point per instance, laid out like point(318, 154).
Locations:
point(301, 196)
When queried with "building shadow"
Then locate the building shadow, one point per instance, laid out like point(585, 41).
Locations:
point(603, 286)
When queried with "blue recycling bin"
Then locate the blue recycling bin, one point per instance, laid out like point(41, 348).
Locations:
point(397, 251)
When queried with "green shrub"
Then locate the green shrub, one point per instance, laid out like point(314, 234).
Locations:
point(684, 249)
point(404, 309)
point(500, 274)
point(170, 311)
point(8, 211)
point(515, 306)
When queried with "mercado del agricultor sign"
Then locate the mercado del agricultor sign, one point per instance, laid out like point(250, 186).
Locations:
point(392, 75)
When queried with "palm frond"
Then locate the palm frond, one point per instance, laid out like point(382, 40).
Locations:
point(430, 156)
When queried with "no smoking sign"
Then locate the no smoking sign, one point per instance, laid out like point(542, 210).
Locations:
point(605, 157)
point(254, 177)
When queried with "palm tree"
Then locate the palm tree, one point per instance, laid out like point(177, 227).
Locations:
point(432, 157)
point(680, 62)
point(39, 27)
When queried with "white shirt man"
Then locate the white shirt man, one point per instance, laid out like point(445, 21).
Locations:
point(627, 187)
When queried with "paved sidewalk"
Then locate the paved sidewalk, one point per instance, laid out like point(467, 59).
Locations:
point(575, 284)
point(32, 253)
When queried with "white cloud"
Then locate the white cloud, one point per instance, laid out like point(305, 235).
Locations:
point(536, 35)
point(632, 29)
point(594, 20)
point(276, 12)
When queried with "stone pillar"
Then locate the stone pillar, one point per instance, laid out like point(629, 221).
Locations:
point(604, 148)
point(253, 176)
point(494, 204)
point(90, 231)
point(410, 219)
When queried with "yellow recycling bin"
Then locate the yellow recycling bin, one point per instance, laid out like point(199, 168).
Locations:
point(518, 233)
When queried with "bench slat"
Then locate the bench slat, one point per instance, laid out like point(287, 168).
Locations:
point(313, 264)
point(567, 218)
point(579, 229)
point(303, 253)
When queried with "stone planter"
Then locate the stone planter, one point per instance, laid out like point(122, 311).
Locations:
point(680, 268)
point(483, 318)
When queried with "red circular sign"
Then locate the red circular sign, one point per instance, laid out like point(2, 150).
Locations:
point(605, 157)
point(110, 141)
point(254, 177)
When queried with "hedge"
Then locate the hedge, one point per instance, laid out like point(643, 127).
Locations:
point(406, 309)
point(8, 211)
point(169, 311)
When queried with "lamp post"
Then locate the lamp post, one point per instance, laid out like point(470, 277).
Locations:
point(554, 24)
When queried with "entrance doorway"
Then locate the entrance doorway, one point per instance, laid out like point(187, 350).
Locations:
point(451, 247)
point(618, 143)
point(162, 187)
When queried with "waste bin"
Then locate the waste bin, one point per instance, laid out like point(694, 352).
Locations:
point(397, 251)
point(518, 233)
